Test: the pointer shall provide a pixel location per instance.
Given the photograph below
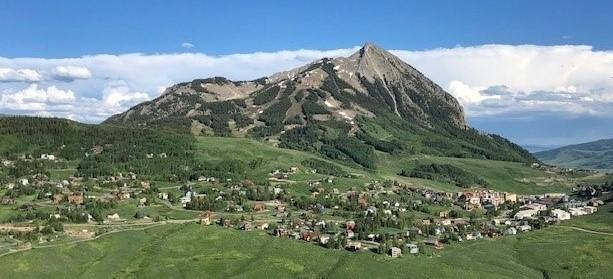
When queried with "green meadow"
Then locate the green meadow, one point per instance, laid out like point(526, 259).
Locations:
point(500, 175)
point(195, 251)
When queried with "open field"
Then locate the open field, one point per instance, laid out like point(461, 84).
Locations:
point(194, 251)
point(601, 221)
point(501, 176)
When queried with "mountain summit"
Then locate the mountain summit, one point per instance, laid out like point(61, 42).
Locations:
point(345, 86)
point(344, 94)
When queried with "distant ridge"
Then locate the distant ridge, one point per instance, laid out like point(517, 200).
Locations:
point(596, 155)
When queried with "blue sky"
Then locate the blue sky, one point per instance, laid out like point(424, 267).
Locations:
point(538, 72)
point(69, 28)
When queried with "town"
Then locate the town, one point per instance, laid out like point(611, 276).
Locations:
point(384, 217)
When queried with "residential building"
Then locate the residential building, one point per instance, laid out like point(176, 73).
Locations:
point(560, 214)
point(395, 252)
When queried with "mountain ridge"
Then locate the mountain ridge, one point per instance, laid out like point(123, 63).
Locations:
point(595, 155)
point(325, 104)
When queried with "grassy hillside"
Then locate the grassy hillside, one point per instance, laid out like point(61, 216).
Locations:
point(596, 155)
point(193, 251)
point(499, 175)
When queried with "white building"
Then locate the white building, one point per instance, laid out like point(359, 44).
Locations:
point(560, 214)
point(523, 214)
point(510, 231)
point(535, 206)
point(525, 228)
point(590, 209)
point(577, 211)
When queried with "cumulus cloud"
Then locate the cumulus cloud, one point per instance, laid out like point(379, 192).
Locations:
point(70, 73)
point(187, 45)
point(488, 80)
point(121, 97)
point(19, 75)
point(35, 100)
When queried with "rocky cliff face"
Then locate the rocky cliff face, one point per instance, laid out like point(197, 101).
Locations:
point(369, 82)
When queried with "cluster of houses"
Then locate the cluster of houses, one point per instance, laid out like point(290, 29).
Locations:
point(283, 173)
point(512, 214)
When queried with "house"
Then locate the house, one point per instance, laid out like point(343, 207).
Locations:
point(58, 198)
point(350, 225)
point(560, 214)
point(443, 214)
point(534, 206)
point(350, 234)
point(510, 197)
point(47, 157)
point(394, 252)
point(76, 198)
point(206, 218)
point(113, 217)
point(145, 185)
point(259, 206)
point(412, 248)
point(24, 182)
point(354, 246)
point(525, 228)
point(471, 200)
point(163, 155)
point(527, 213)
point(590, 209)
point(595, 202)
point(324, 239)
point(280, 231)
point(262, 226)
point(433, 241)
point(123, 195)
point(245, 226)
point(510, 231)
point(163, 195)
point(414, 231)
point(578, 211)
point(446, 222)
point(142, 202)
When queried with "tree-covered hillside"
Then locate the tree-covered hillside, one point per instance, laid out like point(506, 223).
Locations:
point(597, 155)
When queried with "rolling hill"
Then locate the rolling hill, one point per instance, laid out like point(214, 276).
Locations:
point(597, 155)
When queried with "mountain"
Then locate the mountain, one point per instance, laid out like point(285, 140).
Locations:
point(534, 148)
point(369, 100)
point(369, 80)
point(597, 155)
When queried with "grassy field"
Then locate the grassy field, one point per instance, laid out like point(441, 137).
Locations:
point(502, 176)
point(601, 221)
point(194, 251)
point(218, 148)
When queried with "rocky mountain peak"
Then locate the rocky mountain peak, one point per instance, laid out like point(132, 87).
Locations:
point(368, 82)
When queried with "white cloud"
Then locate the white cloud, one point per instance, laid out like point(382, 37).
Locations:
point(122, 98)
point(488, 80)
point(19, 75)
point(70, 73)
point(187, 45)
point(33, 99)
